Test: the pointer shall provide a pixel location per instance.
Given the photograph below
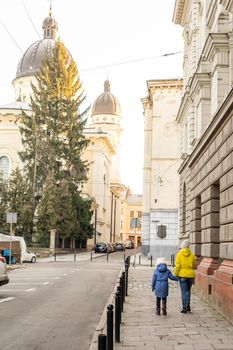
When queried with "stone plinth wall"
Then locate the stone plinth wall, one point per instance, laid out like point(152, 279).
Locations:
point(210, 215)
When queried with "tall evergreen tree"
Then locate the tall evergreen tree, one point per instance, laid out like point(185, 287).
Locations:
point(3, 204)
point(54, 142)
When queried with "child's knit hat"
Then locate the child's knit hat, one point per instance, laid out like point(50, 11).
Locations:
point(160, 261)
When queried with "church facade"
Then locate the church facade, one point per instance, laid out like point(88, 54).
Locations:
point(206, 121)
point(104, 185)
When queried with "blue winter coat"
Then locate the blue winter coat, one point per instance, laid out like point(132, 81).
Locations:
point(159, 282)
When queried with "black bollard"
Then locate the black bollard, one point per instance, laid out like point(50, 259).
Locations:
point(119, 291)
point(123, 285)
point(173, 263)
point(91, 256)
point(122, 291)
point(126, 278)
point(55, 256)
point(151, 260)
point(110, 327)
point(102, 342)
point(117, 316)
point(139, 257)
point(74, 255)
point(107, 256)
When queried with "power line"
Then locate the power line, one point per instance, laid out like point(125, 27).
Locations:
point(30, 19)
point(11, 36)
point(131, 61)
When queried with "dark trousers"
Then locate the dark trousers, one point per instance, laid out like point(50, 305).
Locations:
point(185, 287)
point(158, 302)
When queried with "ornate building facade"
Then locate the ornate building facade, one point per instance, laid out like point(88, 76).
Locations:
point(206, 122)
point(104, 185)
point(161, 162)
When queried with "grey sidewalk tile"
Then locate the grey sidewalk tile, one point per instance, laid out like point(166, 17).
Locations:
point(184, 347)
point(228, 346)
point(164, 347)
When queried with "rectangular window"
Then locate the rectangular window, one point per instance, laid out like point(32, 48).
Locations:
point(139, 214)
point(131, 213)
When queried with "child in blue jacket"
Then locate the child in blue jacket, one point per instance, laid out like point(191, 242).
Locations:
point(159, 284)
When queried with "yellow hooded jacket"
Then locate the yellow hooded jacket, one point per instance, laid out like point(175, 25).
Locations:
point(185, 264)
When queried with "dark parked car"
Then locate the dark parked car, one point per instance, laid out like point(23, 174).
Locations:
point(119, 247)
point(101, 247)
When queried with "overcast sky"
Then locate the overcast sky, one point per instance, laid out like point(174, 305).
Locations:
point(101, 33)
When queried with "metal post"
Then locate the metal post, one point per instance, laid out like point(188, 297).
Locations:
point(123, 286)
point(122, 292)
point(107, 256)
point(151, 260)
point(119, 290)
point(117, 316)
point(102, 342)
point(134, 249)
point(55, 256)
point(95, 227)
point(10, 241)
point(124, 257)
point(126, 278)
point(91, 255)
point(74, 255)
point(110, 327)
point(139, 259)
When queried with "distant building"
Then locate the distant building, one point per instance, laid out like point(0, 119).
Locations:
point(161, 162)
point(104, 184)
point(131, 207)
point(206, 122)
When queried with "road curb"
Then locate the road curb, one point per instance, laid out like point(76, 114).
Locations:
point(101, 327)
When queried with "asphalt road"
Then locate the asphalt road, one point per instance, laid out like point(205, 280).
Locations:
point(56, 305)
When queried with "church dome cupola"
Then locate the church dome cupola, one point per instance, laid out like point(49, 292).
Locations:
point(38, 52)
point(106, 103)
point(50, 27)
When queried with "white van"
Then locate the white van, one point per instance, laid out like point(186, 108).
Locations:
point(25, 254)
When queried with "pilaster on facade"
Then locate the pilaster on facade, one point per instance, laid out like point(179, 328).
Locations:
point(228, 5)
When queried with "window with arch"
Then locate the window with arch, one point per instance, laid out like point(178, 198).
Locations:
point(4, 167)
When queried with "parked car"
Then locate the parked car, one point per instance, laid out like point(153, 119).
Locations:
point(128, 244)
point(119, 247)
point(101, 247)
point(3, 271)
point(29, 257)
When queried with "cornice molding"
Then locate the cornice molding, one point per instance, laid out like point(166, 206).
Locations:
point(215, 42)
point(180, 11)
point(200, 80)
point(185, 102)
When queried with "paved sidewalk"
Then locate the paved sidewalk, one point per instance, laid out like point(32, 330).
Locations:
point(142, 329)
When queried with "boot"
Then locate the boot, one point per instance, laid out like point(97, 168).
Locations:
point(157, 311)
point(188, 308)
point(164, 307)
point(184, 310)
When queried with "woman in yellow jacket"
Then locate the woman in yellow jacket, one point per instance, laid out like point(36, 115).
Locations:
point(184, 269)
